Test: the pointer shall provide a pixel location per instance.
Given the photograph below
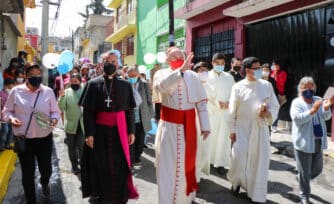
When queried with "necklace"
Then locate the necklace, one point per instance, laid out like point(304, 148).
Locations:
point(108, 100)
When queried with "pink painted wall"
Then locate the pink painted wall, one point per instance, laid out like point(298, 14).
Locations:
point(216, 16)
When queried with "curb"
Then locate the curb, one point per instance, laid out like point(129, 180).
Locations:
point(7, 166)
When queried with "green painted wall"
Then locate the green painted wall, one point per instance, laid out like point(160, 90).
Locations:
point(153, 26)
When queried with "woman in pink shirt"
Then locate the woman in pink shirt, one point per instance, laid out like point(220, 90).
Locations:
point(17, 111)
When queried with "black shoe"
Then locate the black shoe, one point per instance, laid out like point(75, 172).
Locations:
point(75, 170)
point(235, 191)
point(305, 201)
point(46, 190)
point(221, 171)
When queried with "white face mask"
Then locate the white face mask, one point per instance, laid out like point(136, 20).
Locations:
point(7, 90)
point(203, 76)
point(265, 74)
point(20, 80)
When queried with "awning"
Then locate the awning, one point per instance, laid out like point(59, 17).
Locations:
point(115, 4)
point(252, 6)
point(12, 6)
point(121, 33)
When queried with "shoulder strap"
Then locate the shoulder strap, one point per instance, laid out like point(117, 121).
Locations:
point(32, 114)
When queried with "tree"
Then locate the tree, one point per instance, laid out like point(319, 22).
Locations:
point(97, 8)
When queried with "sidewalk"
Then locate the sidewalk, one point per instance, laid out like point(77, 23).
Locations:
point(282, 140)
point(7, 166)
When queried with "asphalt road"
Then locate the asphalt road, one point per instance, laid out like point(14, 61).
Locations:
point(282, 186)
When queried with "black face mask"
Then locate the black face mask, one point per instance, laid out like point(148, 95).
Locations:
point(236, 68)
point(35, 81)
point(109, 70)
point(75, 86)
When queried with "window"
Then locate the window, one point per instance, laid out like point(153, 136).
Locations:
point(130, 45)
point(129, 6)
point(207, 46)
point(118, 14)
point(118, 46)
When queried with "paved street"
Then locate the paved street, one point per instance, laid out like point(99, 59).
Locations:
point(282, 187)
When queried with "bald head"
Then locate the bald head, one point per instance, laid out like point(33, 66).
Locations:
point(174, 53)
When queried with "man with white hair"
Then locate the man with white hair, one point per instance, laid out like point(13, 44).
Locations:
point(180, 92)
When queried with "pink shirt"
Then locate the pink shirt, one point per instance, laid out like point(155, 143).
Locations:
point(20, 104)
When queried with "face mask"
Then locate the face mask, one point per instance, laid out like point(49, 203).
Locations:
point(257, 74)
point(75, 86)
point(265, 74)
point(20, 80)
point(132, 80)
point(35, 81)
point(176, 64)
point(308, 93)
point(219, 68)
point(273, 67)
point(7, 90)
point(203, 76)
point(109, 70)
point(237, 68)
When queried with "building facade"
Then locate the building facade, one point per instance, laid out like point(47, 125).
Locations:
point(153, 28)
point(94, 36)
point(124, 36)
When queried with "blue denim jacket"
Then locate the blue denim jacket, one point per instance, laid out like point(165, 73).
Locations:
point(302, 126)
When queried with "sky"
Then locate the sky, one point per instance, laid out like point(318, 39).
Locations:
point(68, 20)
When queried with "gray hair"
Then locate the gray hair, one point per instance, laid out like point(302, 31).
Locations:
point(133, 68)
point(306, 80)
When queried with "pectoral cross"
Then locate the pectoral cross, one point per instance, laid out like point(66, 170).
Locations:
point(108, 101)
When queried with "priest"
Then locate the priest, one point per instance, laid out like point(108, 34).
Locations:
point(181, 92)
point(108, 105)
point(253, 105)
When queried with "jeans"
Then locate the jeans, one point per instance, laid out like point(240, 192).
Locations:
point(6, 135)
point(309, 166)
point(75, 144)
point(40, 149)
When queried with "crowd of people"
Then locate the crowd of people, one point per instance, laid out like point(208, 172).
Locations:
point(206, 117)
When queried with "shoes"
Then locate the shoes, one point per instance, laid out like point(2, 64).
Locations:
point(274, 129)
point(235, 191)
point(46, 190)
point(137, 162)
point(221, 170)
point(75, 170)
point(305, 200)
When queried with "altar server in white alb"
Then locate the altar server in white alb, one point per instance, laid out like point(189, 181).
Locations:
point(221, 85)
point(181, 92)
point(253, 105)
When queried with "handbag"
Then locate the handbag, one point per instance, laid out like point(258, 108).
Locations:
point(20, 141)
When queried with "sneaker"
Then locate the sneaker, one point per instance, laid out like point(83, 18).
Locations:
point(46, 190)
point(274, 129)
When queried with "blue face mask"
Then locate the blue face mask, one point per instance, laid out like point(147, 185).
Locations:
point(132, 80)
point(308, 93)
point(258, 74)
point(219, 68)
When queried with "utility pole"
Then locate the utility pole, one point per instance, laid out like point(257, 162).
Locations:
point(45, 37)
point(171, 23)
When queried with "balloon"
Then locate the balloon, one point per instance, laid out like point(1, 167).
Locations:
point(50, 60)
point(149, 58)
point(66, 56)
point(161, 57)
point(142, 69)
point(63, 68)
point(84, 60)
